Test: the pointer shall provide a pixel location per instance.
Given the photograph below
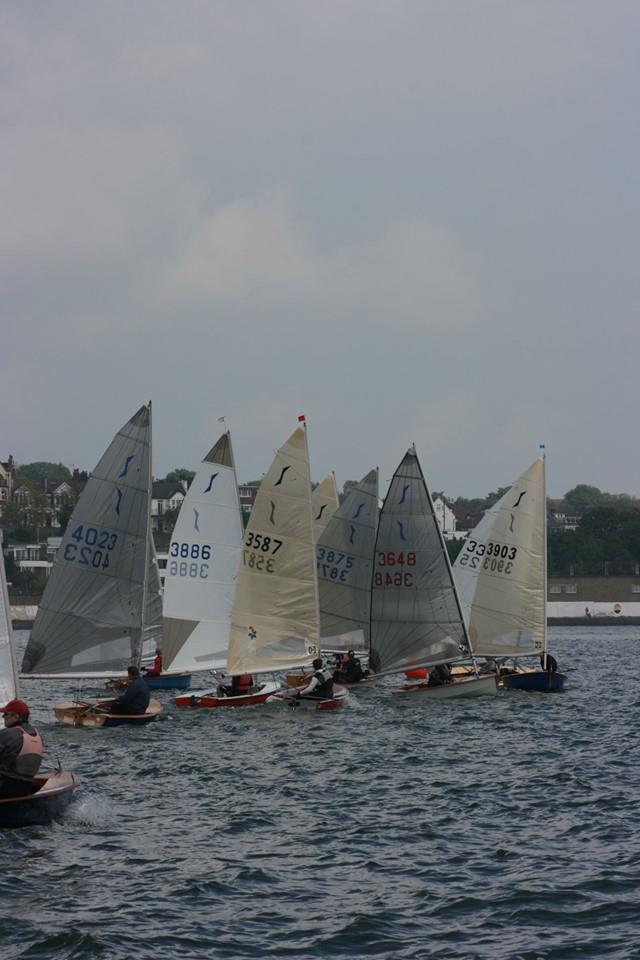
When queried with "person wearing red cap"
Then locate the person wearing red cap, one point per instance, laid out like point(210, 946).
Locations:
point(21, 750)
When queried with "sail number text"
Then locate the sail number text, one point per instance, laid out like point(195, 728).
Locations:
point(262, 553)
point(186, 559)
point(493, 556)
point(92, 547)
point(395, 578)
point(333, 564)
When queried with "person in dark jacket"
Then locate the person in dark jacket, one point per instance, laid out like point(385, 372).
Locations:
point(21, 750)
point(547, 662)
point(320, 685)
point(136, 697)
point(352, 668)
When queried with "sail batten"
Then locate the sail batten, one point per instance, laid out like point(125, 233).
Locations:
point(92, 613)
point(202, 566)
point(415, 613)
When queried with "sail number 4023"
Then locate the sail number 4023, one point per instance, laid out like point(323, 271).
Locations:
point(91, 548)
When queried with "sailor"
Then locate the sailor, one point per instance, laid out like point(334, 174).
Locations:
point(320, 685)
point(156, 669)
point(439, 674)
point(352, 668)
point(551, 663)
point(21, 750)
point(136, 697)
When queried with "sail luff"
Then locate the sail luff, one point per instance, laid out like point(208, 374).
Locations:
point(136, 657)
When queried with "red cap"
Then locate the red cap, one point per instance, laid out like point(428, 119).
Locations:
point(19, 707)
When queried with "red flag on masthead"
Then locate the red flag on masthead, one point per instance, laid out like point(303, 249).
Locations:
point(302, 418)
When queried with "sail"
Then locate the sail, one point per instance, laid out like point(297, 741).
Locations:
point(274, 624)
point(345, 561)
point(203, 566)
point(415, 614)
point(324, 503)
point(90, 618)
point(500, 572)
point(8, 671)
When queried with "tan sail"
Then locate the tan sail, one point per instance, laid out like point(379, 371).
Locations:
point(274, 623)
point(324, 503)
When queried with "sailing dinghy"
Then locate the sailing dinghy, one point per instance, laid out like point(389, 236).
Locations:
point(51, 793)
point(98, 606)
point(501, 577)
point(416, 619)
point(275, 622)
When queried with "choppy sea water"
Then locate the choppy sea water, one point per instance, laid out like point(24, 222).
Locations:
point(503, 827)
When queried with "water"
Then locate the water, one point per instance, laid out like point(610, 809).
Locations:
point(500, 827)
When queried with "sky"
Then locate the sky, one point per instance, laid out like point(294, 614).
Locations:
point(412, 221)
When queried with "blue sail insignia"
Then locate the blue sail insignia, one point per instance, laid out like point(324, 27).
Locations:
point(119, 500)
point(125, 469)
point(404, 493)
point(208, 490)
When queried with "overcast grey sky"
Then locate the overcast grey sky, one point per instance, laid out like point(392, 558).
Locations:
point(410, 221)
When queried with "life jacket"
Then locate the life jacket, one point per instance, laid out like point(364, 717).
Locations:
point(242, 684)
point(324, 687)
point(30, 757)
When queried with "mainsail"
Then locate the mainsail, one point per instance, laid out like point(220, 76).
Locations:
point(8, 670)
point(203, 566)
point(324, 503)
point(500, 572)
point(415, 614)
point(90, 620)
point(274, 624)
point(344, 555)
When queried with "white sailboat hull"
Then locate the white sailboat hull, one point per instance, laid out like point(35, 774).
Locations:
point(459, 687)
point(289, 700)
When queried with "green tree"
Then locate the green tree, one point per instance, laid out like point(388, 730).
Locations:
point(585, 497)
point(41, 470)
point(179, 475)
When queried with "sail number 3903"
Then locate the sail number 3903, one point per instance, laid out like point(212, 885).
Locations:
point(493, 556)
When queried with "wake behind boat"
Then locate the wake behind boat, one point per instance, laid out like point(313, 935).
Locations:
point(52, 795)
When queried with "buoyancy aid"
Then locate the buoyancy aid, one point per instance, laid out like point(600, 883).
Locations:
point(325, 684)
point(242, 684)
point(30, 757)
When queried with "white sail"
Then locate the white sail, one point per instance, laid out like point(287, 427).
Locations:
point(8, 670)
point(344, 555)
point(500, 572)
point(91, 617)
point(153, 603)
point(274, 624)
point(416, 618)
point(324, 503)
point(202, 567)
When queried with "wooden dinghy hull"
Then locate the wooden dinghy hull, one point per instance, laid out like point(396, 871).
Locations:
point(542, 681)
point(286, 700)
point(53, 796)
point(95, 713)
point(473, 686)
point(210, 698)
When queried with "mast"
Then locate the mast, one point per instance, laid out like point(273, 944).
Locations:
point(303, 420)
point(145, 582)
point(544, 552)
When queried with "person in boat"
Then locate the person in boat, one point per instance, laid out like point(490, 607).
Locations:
point(549, 663)
point(439, 674)
point(351, 669)
point(241, 685)
point(320, 685)
point(136, 697)
point(21, 750)
point(156, 669)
